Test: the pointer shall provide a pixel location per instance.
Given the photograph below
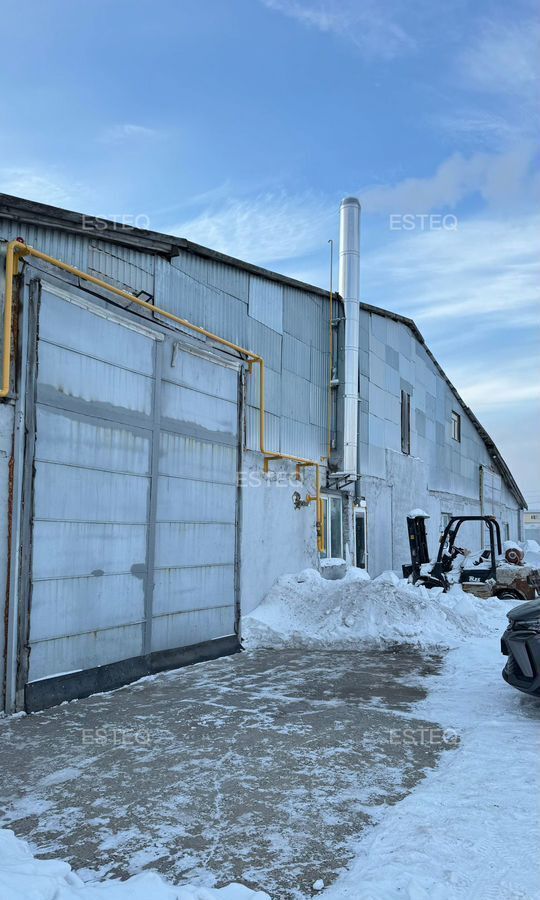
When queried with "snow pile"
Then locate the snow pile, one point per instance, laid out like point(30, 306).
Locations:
point(308, 611)
point(531, 549)
point(23, 877)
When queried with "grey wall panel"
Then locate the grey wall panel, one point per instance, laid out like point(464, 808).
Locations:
point(183, 456)
point(180, 544)
point(265, 342)
point(72, 493)
point(68, 606)
point(201, 374)
point(94, 381)
point(92, 334)
point(70, 247)
point(127, 266)
point(64, 438)
point(294, 397)
point(273, 425)
point(272, 390)
point(63, 549)
point(296, 356)
point(266, 302)
point(180, 294)
point(183, 629)
point(182, 589)
point(213, 414)
point(84, 651)
point(229, 279)
point(185, 500)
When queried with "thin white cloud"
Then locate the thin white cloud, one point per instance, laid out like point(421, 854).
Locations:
point(263, 229)
point(497, 66)
point(376, 32)
point(502, 180)
point(503, 58)
point(485, 268)
point(37, 184)
point(127, 132)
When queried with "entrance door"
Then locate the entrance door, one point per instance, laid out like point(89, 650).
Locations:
point(361, 538)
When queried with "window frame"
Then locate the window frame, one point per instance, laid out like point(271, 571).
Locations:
point(456, 426)
point(327, 525)
point(405, 423)
point(361, 514)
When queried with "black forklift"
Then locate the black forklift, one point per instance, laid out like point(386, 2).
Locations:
point(490, 574)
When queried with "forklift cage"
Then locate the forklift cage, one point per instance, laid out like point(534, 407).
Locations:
point(449, 536)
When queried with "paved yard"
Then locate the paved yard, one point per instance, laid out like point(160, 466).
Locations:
point(261, 768)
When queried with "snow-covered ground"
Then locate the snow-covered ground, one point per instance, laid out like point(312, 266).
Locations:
point(24, 878)
point(470, 829)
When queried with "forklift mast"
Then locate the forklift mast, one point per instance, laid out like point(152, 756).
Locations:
point(416, 526)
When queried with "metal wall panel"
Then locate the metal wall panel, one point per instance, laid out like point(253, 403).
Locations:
point(229, 279)
point(58, 243)
point(92, 380)
point(266, 302)
point(126, 266)
point(104, 434)
point(193, 627)
point(216, 417)
point(196, 515)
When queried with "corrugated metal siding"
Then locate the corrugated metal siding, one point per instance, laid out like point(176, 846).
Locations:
point(216, 296)
point(71, 248)
point(94, 586)
point(226, 279)
point(125, 266)
point(266, 302)
point(91, 492)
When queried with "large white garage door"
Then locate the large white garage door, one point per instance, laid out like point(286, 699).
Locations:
point(133, 525)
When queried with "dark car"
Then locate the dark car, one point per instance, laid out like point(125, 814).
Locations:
point(521, 644)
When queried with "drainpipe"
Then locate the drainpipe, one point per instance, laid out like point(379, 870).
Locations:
point(349, 288)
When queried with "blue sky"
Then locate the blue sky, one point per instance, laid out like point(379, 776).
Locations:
point(241, 123)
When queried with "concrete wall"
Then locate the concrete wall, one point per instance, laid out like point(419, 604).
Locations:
point(276, 538)
point(440, 474)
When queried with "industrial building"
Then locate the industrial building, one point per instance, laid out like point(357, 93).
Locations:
point(146, 503)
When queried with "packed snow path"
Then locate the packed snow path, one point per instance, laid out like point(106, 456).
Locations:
point(263, 768)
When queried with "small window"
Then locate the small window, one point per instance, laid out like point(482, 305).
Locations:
point(361, 538)
point(506, 531)
point(332, 527)
point(445, 518)
point(405, 422)
point(456, 426)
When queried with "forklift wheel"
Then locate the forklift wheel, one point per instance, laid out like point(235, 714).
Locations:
point(510, 594)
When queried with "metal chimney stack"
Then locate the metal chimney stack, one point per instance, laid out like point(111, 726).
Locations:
point(349, 288)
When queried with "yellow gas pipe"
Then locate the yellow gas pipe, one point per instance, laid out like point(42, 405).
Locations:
point(17, 249)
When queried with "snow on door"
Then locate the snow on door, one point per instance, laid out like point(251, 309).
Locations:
point(134, 499)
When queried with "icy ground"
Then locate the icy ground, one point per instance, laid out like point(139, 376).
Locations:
point(469, 830)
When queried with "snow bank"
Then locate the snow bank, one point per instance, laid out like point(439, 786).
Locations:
point(308, 611)
point(23, 877)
